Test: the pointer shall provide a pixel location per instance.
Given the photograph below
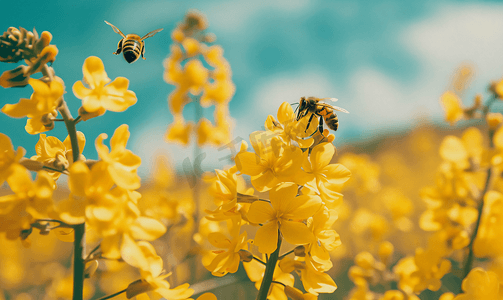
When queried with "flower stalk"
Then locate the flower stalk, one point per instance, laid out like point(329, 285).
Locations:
point(269, 271)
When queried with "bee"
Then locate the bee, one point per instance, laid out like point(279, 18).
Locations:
point(132, 45)
point(323, 110)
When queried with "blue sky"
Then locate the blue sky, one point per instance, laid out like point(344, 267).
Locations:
point(386, 61)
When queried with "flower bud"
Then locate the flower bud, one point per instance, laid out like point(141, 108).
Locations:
point(385, 251)
point(17, 77)
point(300, 251)
point(365, 260)
point(31, 165)
point(245, 255)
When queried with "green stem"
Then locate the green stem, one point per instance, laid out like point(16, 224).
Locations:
point(79, 246)
point(70, 127)
point(269, 271)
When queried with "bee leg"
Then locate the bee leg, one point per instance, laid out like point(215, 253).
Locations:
point(320, 127)
point(142, 53)
point(119, 48)
point(309, 122)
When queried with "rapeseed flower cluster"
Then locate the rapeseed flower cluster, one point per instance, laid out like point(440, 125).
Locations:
point(185, 68)
point(304, 193)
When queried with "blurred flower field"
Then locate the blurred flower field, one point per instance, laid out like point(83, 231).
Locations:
point(408, 215)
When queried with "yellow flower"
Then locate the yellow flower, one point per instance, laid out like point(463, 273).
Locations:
point(452, 106)
point(324, 177)
point(56, 154)
point(8, 157)
point(100, 97)
point(179, 131)
point(227, 260)
point(326, 238)
point(225, 190)
point(121, 162)
point(314, 280)
point(280, 214)
point(289, 129)
point(111, 213)
point(272, 163)
point(143, 256)
point(480, 285)
point(30, 201)
point(44, 100)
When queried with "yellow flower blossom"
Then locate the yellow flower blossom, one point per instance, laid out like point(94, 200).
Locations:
point(282, 213)
point(326, 238)
point(31, 200)
point(44, 100)
point(56, 154)
point(121, 163)
point(272, 163)
point(179, 131)
point(111, 213)
point(480, 285)
point(8, 157)
point(316, 281)
point(143, 256)
point(226, 260)
point(324, 177)
point(225, 189)
point(101, 94)
point(452, 106)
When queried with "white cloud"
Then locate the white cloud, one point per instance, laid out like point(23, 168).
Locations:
point(232, 16)
point(455, 34)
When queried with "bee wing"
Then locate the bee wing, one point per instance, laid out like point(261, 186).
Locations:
point(330, 99)
point(116, 29)
point(337, 108)
point(151, 34)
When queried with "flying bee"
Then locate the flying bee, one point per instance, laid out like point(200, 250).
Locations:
point(132, 45)
point(323, 110)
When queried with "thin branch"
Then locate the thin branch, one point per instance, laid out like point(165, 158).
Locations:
point(113, 295)
point(289, 252)
point(259, 260)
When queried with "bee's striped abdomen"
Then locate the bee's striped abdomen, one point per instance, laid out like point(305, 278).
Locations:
point(131, 50)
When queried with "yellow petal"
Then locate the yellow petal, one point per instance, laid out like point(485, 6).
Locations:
point(94, 72)
point(322, 155)
point(260, 212)
point(120, 138)
point(264, 181)
point(336, 174)
point(266, 238)
point(80, 91)
point(296, 233)
point(452, 149)
point(147, 229)
point(281, 196)
point(132, 254)
point(21, 109)
point(285, 113)
point(249, 163)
